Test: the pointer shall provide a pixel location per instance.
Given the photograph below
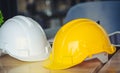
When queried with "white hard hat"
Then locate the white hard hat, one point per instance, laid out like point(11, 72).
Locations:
point(24, 39)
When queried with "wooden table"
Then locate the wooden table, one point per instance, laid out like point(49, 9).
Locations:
point(11, 65)
point(113, 65)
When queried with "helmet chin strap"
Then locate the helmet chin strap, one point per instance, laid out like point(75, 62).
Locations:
point(103, 57)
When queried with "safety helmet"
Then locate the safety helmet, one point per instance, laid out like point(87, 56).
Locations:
point(76, 41)
point(24, 39)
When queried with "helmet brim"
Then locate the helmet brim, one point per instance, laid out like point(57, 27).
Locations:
point(53, 65)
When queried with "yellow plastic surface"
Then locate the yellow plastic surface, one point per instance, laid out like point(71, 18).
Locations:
point(75, 41)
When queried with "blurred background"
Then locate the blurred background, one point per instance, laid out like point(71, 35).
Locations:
point(49, 14)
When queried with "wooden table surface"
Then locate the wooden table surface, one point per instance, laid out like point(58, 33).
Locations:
point(113, 65)
point(11, 65)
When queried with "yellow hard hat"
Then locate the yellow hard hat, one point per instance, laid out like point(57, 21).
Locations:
point(77, 40)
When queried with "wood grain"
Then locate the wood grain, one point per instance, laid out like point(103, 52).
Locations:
point(11, 65)
point(113, 65)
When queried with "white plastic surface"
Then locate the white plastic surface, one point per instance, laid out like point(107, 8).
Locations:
point(24, 39)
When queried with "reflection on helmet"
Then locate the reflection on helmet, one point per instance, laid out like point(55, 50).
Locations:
point(76, 41)
point(24, 39)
